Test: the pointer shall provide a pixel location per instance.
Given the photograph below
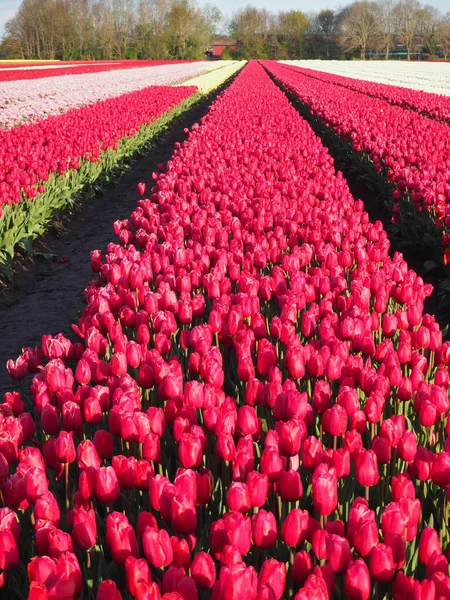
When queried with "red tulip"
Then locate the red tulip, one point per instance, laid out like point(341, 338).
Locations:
point(295, 527)
point(157, 547)
point(273, 576)
point(338, 553)
point(264, 529)
point(136, 571)
point(324, 490)
point(429, 544)
point(203, 570)
point(107, 590)
point(366, 467)
point(302, 566)
point(357, 582)
point(120, 538)
point(84, 528)
point(107, 486)
point(382, 563)
point(258, 488)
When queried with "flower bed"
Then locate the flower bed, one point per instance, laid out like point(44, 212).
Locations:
point(434, 105)
point(256, 405)
point(412, 151)
point(207, 82)
point(45, 164)
point(16, 73)
point(21, 102)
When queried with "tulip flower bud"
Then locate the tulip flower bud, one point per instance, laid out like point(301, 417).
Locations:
point(136, 571)
point(366, 467)
point(290, 486)
point(258, 488)
point(264, 529)
point(46, 508)
point(84, 528)
point(104, 444)
point(190, 451)
point(50, 419)
point(271, 464)
point(381, 563)
point(238, 497)
point(234, 529)
point(302, 566)
point(339, 554)
point(334, 420)
point(107, 590)
point(324, 490)
point(183, 515)
point(120, 538)
point(407, 446)
point(357, 582)
point(294, 528)
point(107, 488)
point(273, 576)
point(65, 448)
point(157, 547)
point(203, 570)
point(429, 544)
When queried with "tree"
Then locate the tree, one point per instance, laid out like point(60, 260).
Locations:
point(429, 20)
point(189, 31)
point(443, 35)
point(250, 27)
point(359, 26)
point(151, 33)
point(386, 26)
point(323, 35)
point(291, 27)
point(407, 16)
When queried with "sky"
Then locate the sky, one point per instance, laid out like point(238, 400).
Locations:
point(7, 11)
point(9, 7)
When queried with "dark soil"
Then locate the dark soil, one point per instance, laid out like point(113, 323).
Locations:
point(46, 297)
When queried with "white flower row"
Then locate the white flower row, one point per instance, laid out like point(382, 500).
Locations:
point(31, 100)
point(431, 77)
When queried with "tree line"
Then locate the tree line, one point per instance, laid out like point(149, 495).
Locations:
point(181, 29)
point(384, 29)
point(110, 29)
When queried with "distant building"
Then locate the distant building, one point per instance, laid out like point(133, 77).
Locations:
point(219, 46)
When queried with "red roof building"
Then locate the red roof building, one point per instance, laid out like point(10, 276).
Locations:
point(216, 50)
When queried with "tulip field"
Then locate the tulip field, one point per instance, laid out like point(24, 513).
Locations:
point(95, 121)
point(404, 134)
point(253, 403)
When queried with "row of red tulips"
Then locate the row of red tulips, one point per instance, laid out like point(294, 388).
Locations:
point(257, 407)
point(45, 166)
point(413, 150)
point(427, 103)
point(13, 73)
point(30, 153)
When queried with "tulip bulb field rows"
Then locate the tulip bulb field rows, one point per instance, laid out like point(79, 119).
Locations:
point(46, 70)
point(20, 102)
point(412, 150)
point(45, 165)
point(411, 77)
point(255, 405)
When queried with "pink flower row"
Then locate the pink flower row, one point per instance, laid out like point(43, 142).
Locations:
point(414, 149)
point(427, 103)
point(29, 154)
point(22, 102)
point(16, 72)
